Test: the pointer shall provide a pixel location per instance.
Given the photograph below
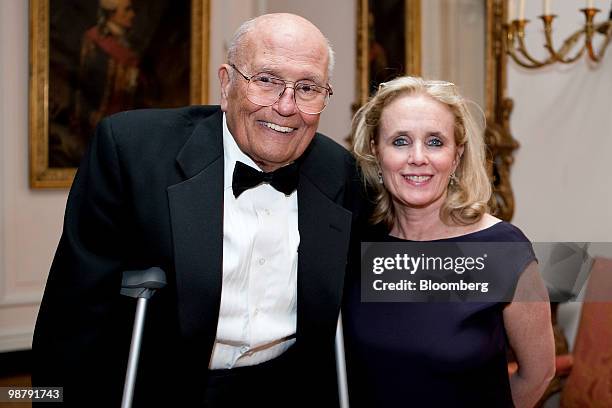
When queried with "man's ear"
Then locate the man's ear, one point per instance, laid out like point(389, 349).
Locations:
point(224, 79)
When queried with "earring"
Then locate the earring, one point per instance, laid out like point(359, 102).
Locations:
point(380, 178)
point(453, 179)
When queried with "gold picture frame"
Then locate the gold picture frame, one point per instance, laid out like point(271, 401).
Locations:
point(498, 107)
point(43, 172)
point(498, 137)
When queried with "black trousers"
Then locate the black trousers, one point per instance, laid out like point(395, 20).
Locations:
point(270, 384)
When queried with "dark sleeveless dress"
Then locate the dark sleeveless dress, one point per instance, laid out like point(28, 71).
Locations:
point(429, 354)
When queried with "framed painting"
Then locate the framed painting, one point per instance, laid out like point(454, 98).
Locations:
point(90, 59)
point(388, 43)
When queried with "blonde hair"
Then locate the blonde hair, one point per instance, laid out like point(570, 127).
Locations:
point(467, 197)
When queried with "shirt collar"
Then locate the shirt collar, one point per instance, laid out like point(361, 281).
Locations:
point(232, 154)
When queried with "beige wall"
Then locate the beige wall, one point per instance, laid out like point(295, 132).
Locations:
point(563, 120)
point(453, 44)
point(30, 221)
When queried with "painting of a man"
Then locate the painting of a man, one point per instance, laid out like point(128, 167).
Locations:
point(387, 58)
point(107, 56)
point(109, 67)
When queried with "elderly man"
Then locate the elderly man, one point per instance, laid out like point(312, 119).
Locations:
point(249, 212)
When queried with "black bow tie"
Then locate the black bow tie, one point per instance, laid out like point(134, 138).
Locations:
point(284, 179)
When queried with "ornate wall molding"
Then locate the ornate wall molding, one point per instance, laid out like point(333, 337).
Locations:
point(500, 143)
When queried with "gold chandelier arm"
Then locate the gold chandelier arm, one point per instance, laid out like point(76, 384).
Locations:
point(517, 30)
point(522, 48)
point(518, 60)
point(517, 48)
point(568, 44)
point(605, 29)
point(523, 64)
point(591, 29)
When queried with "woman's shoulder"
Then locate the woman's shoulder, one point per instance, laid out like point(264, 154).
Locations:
point(506, 230)
point(491, 228)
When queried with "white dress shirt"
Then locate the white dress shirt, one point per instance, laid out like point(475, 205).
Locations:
point(257, 316)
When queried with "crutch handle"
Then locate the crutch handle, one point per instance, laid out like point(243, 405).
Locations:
point(143, 283)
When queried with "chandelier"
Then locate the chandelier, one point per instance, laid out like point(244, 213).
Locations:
point(572, 48)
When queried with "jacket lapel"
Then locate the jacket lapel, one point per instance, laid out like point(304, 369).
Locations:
point(324, 240)
point(196, 211)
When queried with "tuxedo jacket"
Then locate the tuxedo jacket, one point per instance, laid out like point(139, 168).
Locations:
point(150, 193)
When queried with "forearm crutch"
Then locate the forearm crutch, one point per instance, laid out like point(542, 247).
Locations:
point(142, 285)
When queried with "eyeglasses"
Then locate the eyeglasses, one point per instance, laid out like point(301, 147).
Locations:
point(264, 90)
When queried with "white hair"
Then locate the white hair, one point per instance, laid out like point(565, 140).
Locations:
point(233, 51)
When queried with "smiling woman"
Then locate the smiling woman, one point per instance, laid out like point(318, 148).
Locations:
point(409, 140)
point(459, 41)
point(423, 156)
